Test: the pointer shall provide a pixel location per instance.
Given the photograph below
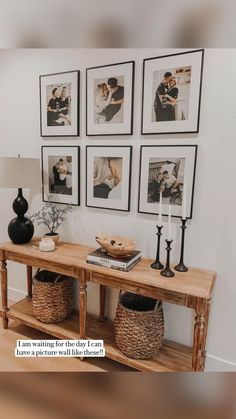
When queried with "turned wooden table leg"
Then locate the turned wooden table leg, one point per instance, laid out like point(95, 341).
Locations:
point(102, 303)
point(200, 335)
point(29, 282)
point(205, 334)
point(3, 277)
point(82, 307)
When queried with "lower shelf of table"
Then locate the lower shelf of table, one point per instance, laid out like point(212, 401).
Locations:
point(172, 356)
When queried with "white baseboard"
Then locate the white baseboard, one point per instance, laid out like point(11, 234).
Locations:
point(15, 295)
point(213, 363)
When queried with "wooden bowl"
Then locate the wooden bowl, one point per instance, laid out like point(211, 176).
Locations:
point(116, 246)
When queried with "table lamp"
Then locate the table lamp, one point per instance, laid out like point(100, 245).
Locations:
point(17, 172)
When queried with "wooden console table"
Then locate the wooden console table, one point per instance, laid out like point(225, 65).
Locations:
point(192, 289)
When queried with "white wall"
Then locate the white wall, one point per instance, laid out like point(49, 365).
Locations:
point(211, 233)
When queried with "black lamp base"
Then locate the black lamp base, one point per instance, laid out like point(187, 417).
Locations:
point(20, 229)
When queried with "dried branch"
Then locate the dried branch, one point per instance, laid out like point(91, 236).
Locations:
point(51, 216)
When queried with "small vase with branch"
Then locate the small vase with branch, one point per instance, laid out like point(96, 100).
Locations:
point(52, 217)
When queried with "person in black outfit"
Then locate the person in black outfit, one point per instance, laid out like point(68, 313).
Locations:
point(171, 100)
point(53, 108)
point(63, 115)
point(160, 100)
point(101, 191)
point(117, 98)
point(56, 174)
point(157, 187)
point(59, 185)
point(64, 102)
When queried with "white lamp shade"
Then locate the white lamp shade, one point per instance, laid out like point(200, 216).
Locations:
point(17, 172)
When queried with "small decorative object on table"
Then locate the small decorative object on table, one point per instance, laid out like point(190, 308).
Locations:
point(181, 266)
point(116, 246)
point(139, 325)
point(52, 217)
point(167, 271)
point(157, 264)
point(52, 296)
point(101, 258)
point(46, 244)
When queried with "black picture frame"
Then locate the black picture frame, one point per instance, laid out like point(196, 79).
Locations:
point(195, 148)
point(193, 131)
point(105, 134)
point(77, 130)
point(77, 148)
point(111, 147)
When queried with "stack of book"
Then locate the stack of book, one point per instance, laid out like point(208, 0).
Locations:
point(101, 258)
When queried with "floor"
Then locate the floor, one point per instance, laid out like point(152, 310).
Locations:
point(8, 361)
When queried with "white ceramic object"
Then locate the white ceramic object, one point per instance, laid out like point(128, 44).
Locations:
point(47, 244)
point(54, 237)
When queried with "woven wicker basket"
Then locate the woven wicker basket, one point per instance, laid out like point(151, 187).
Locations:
point(52, 301)
point(139, 326)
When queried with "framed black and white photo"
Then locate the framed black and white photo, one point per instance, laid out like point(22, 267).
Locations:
point(108, 177)
point(167, 172)
point(59, 104)
point(109, 99)
point(61, 174)
point(172, 93)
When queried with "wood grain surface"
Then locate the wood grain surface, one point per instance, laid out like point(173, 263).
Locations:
point(192, 289)
point(172, 356)
point(67, 257)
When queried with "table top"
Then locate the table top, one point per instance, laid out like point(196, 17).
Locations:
point(196, 282)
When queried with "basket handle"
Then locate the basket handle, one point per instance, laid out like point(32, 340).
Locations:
point(120, 294)
point(57, 279)
point(158, 305)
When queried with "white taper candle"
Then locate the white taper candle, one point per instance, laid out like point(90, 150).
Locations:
point(160, 209)
point(169, 223)
point(184, 201)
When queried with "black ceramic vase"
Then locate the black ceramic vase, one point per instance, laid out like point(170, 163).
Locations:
point(20, 229)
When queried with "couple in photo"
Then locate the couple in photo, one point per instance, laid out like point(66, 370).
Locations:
point(58, 108)
point(166, 98)
point(168, 184)
point(108, 101)
point(107, 177)
point(62, 178)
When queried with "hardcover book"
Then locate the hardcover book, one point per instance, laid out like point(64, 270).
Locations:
point(100, 257)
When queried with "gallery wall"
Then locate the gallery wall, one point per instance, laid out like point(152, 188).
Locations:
point(210, 240)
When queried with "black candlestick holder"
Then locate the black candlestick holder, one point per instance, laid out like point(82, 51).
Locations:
point(167, 271)
point(157, 264)
point(181, 266)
